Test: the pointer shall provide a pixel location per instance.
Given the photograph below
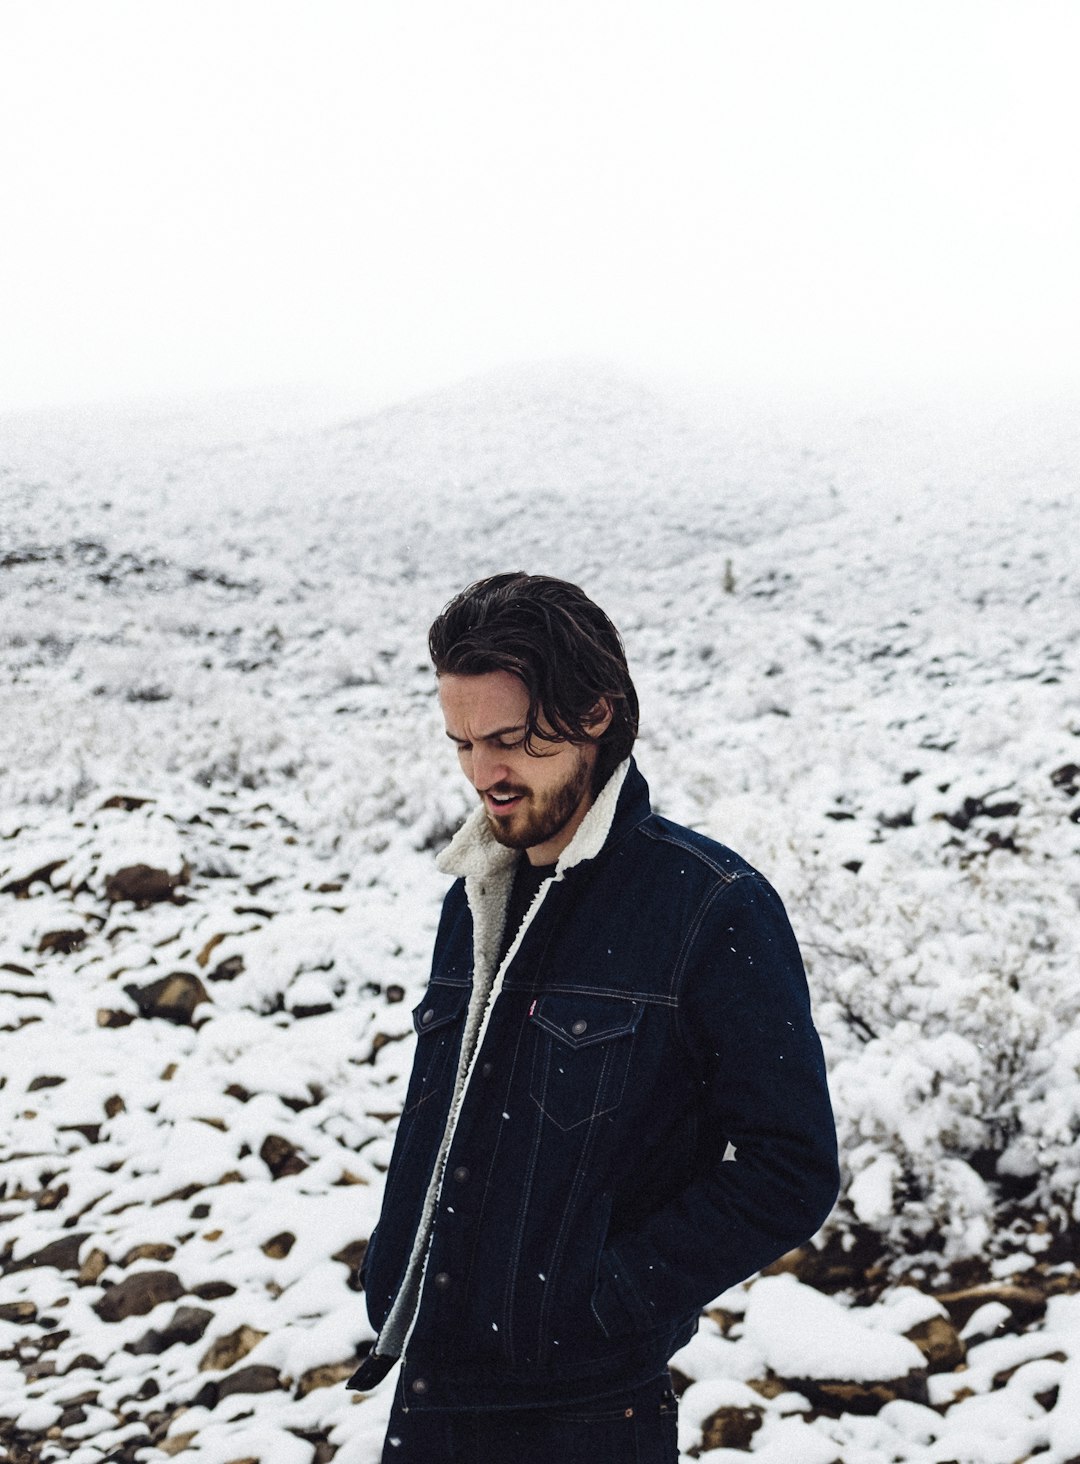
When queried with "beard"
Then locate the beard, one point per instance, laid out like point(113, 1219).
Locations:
point(542, 815)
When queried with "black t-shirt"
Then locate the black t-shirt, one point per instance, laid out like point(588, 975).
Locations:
point(527, 880)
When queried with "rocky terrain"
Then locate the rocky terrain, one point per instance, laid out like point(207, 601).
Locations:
point(222, 781)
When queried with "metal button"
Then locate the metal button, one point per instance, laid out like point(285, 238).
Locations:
point(419, 1385)
point(461, 1174)
point(442, 1280)
point(579, 1026)
point(486, 1070)
point(427, 1018)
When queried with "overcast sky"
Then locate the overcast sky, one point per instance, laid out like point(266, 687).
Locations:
point(387, 194)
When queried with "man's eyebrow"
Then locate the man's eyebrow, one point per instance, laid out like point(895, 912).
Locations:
point(499, 732)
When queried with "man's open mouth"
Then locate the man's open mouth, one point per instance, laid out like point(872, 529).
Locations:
point(503, 802)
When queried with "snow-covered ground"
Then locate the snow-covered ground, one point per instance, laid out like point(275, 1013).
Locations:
point(855, 640)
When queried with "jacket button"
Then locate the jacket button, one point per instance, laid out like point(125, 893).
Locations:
point(461, 1174)
point(579, 1026)
point(427, 1018)
point(419, 1385)
point(485, 1071)
point(442, 1280)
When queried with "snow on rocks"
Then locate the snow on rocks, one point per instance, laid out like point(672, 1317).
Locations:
point(217, 892)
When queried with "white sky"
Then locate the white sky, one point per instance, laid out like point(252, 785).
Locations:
point(204, 194)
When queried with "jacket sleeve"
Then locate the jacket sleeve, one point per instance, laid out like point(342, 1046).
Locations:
point(744, 1012)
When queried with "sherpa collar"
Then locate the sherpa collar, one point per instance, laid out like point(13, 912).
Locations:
point(474, 850)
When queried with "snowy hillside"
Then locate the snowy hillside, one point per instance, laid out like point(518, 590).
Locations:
point(855, 638)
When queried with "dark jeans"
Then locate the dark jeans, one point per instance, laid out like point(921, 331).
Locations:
point(636, 1426)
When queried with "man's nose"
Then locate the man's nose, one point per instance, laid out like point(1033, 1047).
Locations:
point(489, 768)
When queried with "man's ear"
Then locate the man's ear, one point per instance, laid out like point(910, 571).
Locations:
point(599, 719)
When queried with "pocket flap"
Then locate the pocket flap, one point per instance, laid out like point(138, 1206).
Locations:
point(441, 1004)
point(581, 1020)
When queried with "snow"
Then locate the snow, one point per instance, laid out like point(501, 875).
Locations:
point(802, 1334)
point(854, 637)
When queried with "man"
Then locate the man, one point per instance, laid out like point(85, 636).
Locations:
point(618, 1104)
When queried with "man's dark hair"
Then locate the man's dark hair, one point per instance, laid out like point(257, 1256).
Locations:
point(563, 647)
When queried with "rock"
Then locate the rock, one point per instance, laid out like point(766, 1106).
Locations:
point(62, 1253)
point(834, 1396)
point(62, 942)
point(114, 1105)
point(106, 1017)
point(255, 1378)
point(213, 1290)
point(326, 1376)
point(91, 1269)
point(174, 997)
point(46, 1081)
point(17, 1311)
point(281, 1157)
point(176, 1443)
point(352, 1255)
point(85, 1361)
point(137, 1295)
point(152, 1250)
point(1026, 1302)
point(127, 801)
point(279, 1246)
point(144, 885)
point(939, 1342)
point(227, 970)
point(187, 1325)
point(227, 1351)
point(20, 888)
point(730, 1428)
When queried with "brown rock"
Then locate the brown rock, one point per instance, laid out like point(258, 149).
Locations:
point(769, 1387)
point(174, 997)
point(17, 1311)
point(176, 1443)
point(207, 950)
point(325, 1376)
point(91, 1269)
point(730, 1428)
point(1027, 1302)
point(44, 1081)
point(255, 1378)
point(725, 1320)
point(352, 1255)
point(281, 1157)
point(20, 888)
point(137, 1295)
point(62, 1253)
point(939, 1342)
point(151, 1250)
point(213, 1290)
point(279, 1246)
point(106, 1017)
point(50, 1198)
point(227, 1351)
point(227, 970)
point(187, 1325)
point(143, 884)
point(127, 801)
point(63, 942)
point(834, 1397)
point(114, 1105)
point(1000, 1379)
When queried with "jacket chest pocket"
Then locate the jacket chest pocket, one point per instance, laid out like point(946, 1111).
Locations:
point(438, 1021)
point(581, 1055)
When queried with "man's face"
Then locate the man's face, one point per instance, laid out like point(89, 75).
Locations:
point(532, 802)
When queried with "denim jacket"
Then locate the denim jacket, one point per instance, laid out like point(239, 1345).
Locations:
point(645, 1120)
